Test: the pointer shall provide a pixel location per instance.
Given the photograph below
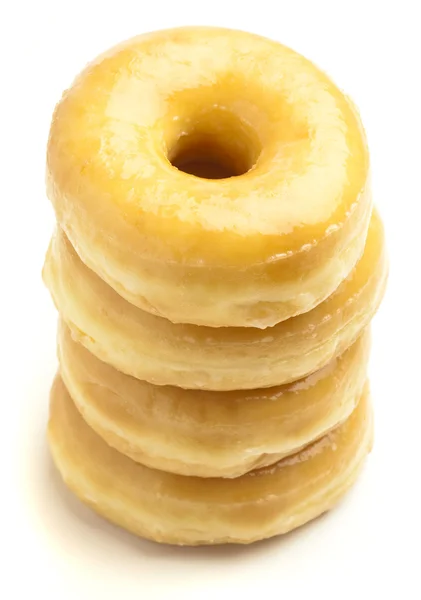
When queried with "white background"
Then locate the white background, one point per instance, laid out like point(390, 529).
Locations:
point(54, 547)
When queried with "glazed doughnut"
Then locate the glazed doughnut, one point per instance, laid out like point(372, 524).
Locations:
point(210, 434)
point(272, 238)
point(153, 349)
point(190, 510)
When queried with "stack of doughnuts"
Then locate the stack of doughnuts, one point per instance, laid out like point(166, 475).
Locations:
point(216, 264)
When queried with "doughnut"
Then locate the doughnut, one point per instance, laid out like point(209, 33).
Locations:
point(191, 510)
point(210, 434)
point(216, 263)
point(154, 349)
point(211, 177)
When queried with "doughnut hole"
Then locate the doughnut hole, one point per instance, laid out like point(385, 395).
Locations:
point(215, 144)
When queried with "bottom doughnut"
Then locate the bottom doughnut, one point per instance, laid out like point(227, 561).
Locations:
point(177, 509)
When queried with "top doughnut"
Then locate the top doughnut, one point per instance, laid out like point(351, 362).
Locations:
point(211, 177)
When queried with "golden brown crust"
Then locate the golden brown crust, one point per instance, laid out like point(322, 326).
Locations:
point(215, 238)
point(210, 434)
point(155, 350)
point(250, 250)
point(188, 510)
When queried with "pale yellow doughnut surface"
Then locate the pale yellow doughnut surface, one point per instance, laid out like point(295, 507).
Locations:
point(153, 349)
point(189, 510)
point(253, 249)
point(210, 434)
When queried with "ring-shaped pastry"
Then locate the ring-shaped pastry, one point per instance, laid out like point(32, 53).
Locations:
point(193, 510)
point(272, 238)
point(156, 350)
point(210, 434)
